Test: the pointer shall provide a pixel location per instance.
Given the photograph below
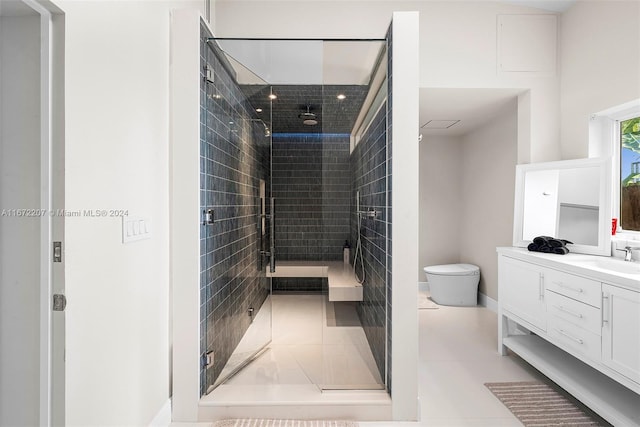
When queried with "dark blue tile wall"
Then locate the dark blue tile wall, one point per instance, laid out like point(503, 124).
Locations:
point(298, 284)
point(311, 185)
point(234, 156)
point(369, 168)
point(389, 190)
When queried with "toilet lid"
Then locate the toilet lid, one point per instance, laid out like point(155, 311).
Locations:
point(453, 269)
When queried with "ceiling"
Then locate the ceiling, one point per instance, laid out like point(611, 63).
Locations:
point(302, 62)
point(304, 74)
point(472, 107)
point(333, 115)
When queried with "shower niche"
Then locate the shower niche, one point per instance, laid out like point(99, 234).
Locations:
point(294, 149)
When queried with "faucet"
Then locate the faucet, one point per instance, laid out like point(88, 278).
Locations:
point(628, 251)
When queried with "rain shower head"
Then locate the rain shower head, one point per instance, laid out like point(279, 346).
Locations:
point(308, 118)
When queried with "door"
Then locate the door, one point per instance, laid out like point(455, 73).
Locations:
point(522, 291)
point(236, 249)
point(31, 188)
point(621, 331)
point(313, 101)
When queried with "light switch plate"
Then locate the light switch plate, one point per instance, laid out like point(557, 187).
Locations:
point(135, 228)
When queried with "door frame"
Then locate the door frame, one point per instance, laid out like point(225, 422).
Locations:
point(52, 326)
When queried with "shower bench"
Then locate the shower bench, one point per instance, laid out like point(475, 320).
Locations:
point(341, 279)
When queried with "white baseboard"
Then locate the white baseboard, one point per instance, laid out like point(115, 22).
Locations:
point(490, 303)
point(483, 300)
point(423, 286)
point(163, 417)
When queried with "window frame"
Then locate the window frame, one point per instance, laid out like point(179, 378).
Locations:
point(616, 160)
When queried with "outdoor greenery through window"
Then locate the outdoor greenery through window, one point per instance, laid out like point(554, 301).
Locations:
point(630, 174)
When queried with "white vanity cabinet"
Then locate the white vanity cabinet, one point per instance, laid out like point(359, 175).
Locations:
point(525, 299)
point(579, 325)
point(621, 331)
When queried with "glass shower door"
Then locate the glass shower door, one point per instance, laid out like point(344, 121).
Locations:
point(305, 104)
point(235, 176)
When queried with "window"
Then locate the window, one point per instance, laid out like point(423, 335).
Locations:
point(615, 133)
point(629, 140)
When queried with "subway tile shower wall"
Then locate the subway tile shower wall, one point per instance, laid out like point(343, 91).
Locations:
point(389, 192)
point(234, 156)
point(369, 167)
point(299, 284)
point(311, 185)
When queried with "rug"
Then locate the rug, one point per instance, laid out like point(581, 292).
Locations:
point(536, 404)
point(282, 423)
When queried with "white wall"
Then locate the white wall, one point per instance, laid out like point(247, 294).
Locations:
point(600, 65)
point(117, 127)
point(448, 58)
point(488, 187)
point(467, 186)
point(440, 201)
point(19, 235)
point(405, 165)
point(184, 159)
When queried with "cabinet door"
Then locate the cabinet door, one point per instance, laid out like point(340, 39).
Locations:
point(522, 291)
point(621, 331)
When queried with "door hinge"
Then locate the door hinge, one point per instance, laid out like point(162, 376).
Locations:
point(57, 251)
point(208, 217)
point(59, 302)
point(207, 360)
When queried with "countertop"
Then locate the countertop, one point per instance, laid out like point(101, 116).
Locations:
point(582, 265)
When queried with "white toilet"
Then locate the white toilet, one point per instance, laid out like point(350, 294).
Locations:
point(454, 284)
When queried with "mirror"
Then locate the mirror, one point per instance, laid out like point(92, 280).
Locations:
point(569, 200)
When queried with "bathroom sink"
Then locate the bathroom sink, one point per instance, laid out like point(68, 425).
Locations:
point(614, 265)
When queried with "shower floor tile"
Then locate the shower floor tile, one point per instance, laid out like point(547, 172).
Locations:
point(316, 344)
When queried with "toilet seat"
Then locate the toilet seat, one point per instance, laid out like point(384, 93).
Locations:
point(453, 269)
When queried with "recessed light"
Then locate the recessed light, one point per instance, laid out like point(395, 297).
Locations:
point(272, 96)
point(341, 96)
point(258, 110)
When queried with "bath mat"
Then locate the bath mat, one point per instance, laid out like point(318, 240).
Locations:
point(536, 404)
point(283, 423)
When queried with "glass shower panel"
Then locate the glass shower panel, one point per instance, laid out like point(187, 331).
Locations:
point(235, 182)
point(296, 74)
point(354, 324)
point(314, 99)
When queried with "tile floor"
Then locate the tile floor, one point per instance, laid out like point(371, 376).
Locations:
point(315, 344)
point(457, 355)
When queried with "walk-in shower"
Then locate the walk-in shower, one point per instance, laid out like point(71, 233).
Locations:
point(294, 159)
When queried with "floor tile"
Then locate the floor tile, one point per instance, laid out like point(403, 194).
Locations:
point(457, 355)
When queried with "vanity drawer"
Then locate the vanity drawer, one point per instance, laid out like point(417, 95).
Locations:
point(576, 287)
point(574, 338)
point(575, 312)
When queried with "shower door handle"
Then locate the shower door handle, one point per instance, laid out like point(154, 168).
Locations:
point(272, 238)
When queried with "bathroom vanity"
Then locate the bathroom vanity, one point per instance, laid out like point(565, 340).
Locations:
point(576, 318)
